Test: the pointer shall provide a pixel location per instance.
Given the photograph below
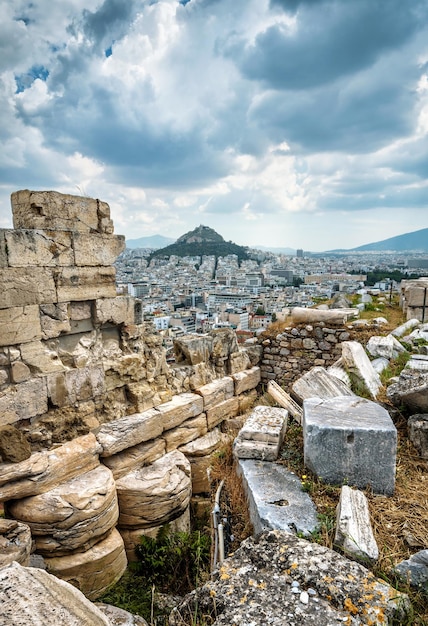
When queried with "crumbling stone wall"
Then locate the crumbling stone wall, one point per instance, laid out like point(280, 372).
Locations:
point(294, 351)
point(118, 437)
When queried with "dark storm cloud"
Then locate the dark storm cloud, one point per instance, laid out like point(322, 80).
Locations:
point(331, 39)
point(109, 22)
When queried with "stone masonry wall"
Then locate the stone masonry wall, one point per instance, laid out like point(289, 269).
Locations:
point(117, 438)
point(294, 351)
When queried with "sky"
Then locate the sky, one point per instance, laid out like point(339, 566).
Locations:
point(285, 123)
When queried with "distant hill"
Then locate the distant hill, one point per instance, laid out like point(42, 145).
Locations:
point(155, 242)
point(203, 240)
point(416, 241)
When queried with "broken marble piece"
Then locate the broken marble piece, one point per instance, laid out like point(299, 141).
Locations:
point(354, 532)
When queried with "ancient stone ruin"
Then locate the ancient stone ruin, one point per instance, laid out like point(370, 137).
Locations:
point(101, 440)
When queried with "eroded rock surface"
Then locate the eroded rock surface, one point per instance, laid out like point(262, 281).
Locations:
point(255, 586)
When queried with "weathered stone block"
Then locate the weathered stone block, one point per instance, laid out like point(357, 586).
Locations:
point(75, 385)
point(132, 458)
point(222, 411)
point(141, 395)
point(29, 596)
point(50, 210)
point(318, 383)
point(216, 392)
point(193, 350)
point(129, 431)
point(418, 433)
point(342, 437)
point(26, 248)
point(40, 358)
point(262, 434)
point(95, 250)
point(118, 310)
point(54, 320)
point(244, 381)
point(153, 495)
point(23, 401)
point(73, 516)
point(179, 409)
point(187, 431)
point(354, 533)
point(275, 498)
point(15, 543)
point(357, 363)
point(94, 570)
point(21, 287)
point(85, 283)
point(45, 470)
point(200, 453)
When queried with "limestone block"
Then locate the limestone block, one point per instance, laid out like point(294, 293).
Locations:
point(73, 516)
point(127, 368)
point(244, 381)
point(216, 392)
point(354, 533)
point(187, 431)
point(201, 374)
point(19, 324)
point(120, 617)
point(411, 390)
point(153, 495)
point(179, 409)
point(224, 343)
point(76, 385)
point(418, 433)
point(388, 347)
point(275, 498)
point(23, 401)
point(358, 364)
point(141, 395)
point(40, 358)
point(119, 310)
point(21, 287)
point(343, 435)
point(132, 458)
point(222, 411)
point(19, 372)
point(239, 362)
point(85, 283)
point(254, 351)
point(29, 596)
point(14, 447)
point(131, 536)
point(129, 431)
point(418, 362)
point(96, 250)
point(32, 248)
point(81, 349)
point(80, 311)
point(404, 329)
point(193, 349)
point(332, 316)
point(50, 210)
point(54, 320)
point(45, 470)
point(15, 542)
point(415, 570)
point(201, 453)
point(262, 434)
point(318, 383)
point(94, 570)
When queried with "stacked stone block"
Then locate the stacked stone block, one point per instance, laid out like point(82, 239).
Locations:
point(93, 394)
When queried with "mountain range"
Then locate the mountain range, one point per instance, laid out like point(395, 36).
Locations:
point(416, 241)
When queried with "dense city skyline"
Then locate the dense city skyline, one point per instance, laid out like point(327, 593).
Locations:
point(287, 123)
